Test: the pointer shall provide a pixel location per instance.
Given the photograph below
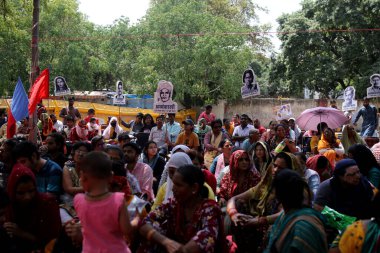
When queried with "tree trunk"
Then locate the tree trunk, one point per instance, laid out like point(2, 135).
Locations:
point(35, 70)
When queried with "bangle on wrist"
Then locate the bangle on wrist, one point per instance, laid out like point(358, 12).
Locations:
point(232, 211)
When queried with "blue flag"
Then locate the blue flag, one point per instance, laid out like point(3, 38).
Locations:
point(20, 102)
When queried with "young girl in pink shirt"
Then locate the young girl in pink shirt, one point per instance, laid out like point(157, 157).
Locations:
point(103, 216)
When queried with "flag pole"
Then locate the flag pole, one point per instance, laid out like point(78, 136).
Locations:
point(119, 114)
point(35, 71)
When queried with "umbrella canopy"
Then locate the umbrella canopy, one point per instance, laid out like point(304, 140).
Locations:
point(310, 118)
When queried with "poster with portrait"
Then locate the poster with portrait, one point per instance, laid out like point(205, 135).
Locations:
point(250, 86)
point(349, 103)
point(60, 86)
point(119, 98)
point(163, 102)
point(374, 90)
point(283, 111)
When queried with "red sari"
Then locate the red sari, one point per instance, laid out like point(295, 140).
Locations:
point(229, 186)
point(40, 218)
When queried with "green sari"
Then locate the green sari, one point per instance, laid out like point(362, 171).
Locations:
point(299, 230)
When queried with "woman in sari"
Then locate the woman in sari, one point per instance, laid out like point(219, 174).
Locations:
point(165, 191)
point(350, 137)
point(316, 138)
point(280, 138)
point(32, 218)
point(241, 177)
point(362, 236)
point(330, 146)
point(155, 161)
point(249, 227)
point(190, 223)
point(212, 140)
point(270, 133)
point(222, 160)
point(299, 228)
point(262, 158)
point(45, 125)
point(113, 130)
point(366, 162)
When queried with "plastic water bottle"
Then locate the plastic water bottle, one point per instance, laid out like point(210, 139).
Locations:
point(280, 147)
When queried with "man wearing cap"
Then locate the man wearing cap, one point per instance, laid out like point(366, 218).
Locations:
point(70, 110)
point(241, 132)
point(347, 192)
point(173, 128)
point(135, 125)
point(188, 137)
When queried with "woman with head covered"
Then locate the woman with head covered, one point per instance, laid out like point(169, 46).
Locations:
point(113, 129)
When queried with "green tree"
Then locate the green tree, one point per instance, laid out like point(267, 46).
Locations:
point(204, 68)
point(65, 47)
point(14, 44)
point(69, 58)
point(328, 61)
point(202, 60)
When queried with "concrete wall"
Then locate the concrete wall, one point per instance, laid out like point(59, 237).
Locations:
point(262, 108)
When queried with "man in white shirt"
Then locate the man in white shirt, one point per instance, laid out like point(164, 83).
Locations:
point(160, 135)
point(57, 124)
point(241, 132)
point(173, 128)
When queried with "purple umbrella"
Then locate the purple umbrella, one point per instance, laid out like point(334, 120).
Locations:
point(310, 118)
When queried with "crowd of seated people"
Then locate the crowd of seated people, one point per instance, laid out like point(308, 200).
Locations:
point(157, 185)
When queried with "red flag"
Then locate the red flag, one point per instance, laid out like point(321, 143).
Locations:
point(11, 125)
point(39, 90)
